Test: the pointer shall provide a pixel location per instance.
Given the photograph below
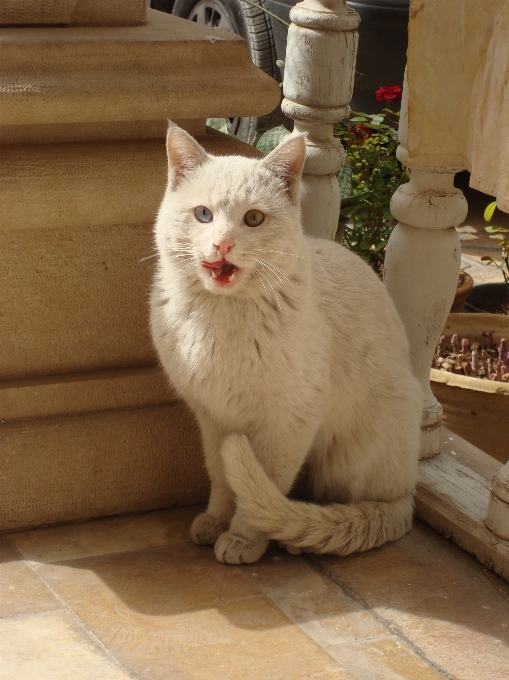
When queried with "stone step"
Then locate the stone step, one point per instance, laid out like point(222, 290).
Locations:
point(81, 446)
point(76, 252)
point(167, 68)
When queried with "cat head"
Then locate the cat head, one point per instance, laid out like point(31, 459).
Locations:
point(229, 221)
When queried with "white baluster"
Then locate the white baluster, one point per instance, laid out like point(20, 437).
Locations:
point(497, 519)
point(318, 85)
point(422, 265)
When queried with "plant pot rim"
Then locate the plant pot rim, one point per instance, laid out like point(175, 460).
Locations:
point(479, 287)
point(463, 323)
point(466, 382)
point(489, 284)
point(463, 291)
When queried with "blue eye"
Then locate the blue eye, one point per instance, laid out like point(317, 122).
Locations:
point(203, 214)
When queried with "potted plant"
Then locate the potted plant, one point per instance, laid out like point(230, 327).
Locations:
point(370, 142)
point(470, 378)
point(493, 297)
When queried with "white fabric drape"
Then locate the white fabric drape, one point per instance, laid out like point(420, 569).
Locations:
point(458, 90)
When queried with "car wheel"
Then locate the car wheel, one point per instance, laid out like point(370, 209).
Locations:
point(253, 24)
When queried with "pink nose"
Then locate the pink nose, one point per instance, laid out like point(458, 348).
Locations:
point(224, 246)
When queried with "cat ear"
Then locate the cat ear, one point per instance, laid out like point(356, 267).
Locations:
point(287, 162)
point(184, 154)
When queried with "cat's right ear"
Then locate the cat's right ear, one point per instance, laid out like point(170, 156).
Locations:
point(184, 154)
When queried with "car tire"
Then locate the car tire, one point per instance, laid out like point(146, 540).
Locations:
point(254, 26)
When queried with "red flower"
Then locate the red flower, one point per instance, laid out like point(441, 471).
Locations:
point(361, 131)
point(388, 94)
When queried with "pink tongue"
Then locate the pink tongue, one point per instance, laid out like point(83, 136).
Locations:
point(218, 271)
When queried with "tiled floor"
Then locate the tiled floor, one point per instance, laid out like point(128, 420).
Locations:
point(132, 597)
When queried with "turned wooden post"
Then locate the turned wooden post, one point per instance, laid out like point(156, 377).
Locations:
point(422, 265)
point(318, 85)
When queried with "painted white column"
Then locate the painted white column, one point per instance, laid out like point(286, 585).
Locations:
point(497, 519)
point(422, 265)
point(318, 85)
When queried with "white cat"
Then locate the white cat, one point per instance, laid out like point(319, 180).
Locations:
point(288, 349)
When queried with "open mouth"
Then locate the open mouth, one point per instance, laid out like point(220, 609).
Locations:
point(222, 272)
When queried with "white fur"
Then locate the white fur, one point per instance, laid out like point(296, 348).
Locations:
point(304, 359)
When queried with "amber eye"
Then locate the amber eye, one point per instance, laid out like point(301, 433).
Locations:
point(203, 214)
point(253, 218)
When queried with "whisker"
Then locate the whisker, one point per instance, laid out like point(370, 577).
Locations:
point(277, 270)
point(272, 288)
point(269, 269)
point(258, 275)
point(148, 257)
point(187, 261)
point(275, 295)
point(281, 252)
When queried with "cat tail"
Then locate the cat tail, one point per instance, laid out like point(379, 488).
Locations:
point(338, 529)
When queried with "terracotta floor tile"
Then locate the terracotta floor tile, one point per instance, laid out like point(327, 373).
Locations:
point(21, 590)
point(52, 645)
point(175, 612)
point(384, 659)
point(111, 535)
point(438, 597)
point(313, 601)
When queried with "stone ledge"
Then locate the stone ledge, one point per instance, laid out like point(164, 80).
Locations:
point(452, 497)
point(168, 68)
point(49, 185)
point(61, 395)
point(75, 12)
point(76, 272)
point(95, 445)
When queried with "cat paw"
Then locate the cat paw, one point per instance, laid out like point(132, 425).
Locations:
point(289, 548)
point(234, 549)
point(206, 529)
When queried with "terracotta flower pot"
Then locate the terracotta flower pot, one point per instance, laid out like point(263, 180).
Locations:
point(465, 285)
point(477, 410)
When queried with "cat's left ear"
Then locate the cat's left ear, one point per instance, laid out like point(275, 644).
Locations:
point(184, 154)
point(286, 161)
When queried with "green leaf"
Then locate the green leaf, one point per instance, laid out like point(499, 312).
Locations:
point(490, 209)
point(280, 63)
point(380, 246)
point(218, 124)
point(493, 230)
point(270, 139)
point(498, 237)
point(359, 119)
point(345, 179)
point(364, 245)
point(354, 199)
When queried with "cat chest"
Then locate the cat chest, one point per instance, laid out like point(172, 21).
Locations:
point(235, 375)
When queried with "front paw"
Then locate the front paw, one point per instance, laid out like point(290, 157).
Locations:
point(206, 529)
point(231, 548)
point(289, 548)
